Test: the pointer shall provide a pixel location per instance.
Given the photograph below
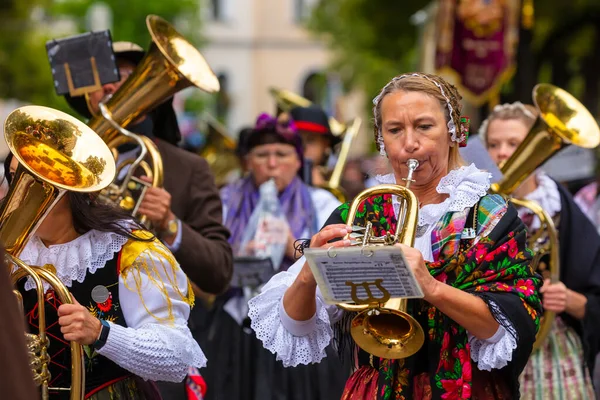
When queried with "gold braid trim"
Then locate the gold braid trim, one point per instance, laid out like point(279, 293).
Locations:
point(156, 261)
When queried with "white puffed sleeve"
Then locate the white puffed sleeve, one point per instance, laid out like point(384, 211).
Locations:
point(294, 342)
point(157, 344)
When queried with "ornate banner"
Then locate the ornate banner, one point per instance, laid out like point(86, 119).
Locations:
point(476, 45)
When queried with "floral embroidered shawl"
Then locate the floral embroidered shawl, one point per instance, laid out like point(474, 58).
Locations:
point(495, 267)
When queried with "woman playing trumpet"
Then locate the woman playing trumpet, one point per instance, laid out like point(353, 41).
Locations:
point(480, 309)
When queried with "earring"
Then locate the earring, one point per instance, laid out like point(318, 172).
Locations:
point(465, 124)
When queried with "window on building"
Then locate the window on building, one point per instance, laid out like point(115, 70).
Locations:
point(216, 10)
point(222, 100)
point(302, 9)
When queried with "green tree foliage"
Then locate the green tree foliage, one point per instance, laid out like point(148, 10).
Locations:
point(129, 16)
point(374, 40)
point(24, 69)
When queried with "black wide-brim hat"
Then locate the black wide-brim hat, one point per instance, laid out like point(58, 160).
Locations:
point(313, 120)
point(124, 50)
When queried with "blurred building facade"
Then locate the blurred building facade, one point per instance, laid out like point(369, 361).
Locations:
point(253, 45)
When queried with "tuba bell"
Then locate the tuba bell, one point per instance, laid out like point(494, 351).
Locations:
point(171, 64)
point(562, 121)
point(384, 328)
point(56, 154)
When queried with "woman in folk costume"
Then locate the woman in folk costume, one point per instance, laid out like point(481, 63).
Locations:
point(242, 368)
point(481, 308)
point(561, 367)
point(132, 300)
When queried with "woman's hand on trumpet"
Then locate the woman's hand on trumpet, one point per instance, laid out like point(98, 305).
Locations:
point(321, 240)
point(299, 300)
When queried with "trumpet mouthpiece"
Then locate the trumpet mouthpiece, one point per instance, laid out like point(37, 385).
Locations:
point(412, 164)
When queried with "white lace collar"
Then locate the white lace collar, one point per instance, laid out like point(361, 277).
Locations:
point(465, 186)
point(72, 260)
point(546, 195)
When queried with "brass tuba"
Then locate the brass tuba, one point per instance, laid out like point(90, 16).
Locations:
point(171, 64)
point(543, 242)
point(563, 121)
point(287, 100)
point(384, 328)
point(56, 153)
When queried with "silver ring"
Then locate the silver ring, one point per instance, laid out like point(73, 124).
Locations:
point(329, 254)
point(370, 254)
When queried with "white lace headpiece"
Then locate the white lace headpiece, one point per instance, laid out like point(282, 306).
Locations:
point(451, 124)
point(516, 106)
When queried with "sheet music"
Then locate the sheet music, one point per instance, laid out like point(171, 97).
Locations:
point(339, 271)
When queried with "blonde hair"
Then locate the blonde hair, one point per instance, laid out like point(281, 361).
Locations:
point(525, 113)
point(431, 85)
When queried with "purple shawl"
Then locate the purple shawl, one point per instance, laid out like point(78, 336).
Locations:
point(240, 200)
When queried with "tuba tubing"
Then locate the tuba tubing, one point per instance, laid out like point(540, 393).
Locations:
point(171, 64)
point(552, 249)
point(563, 120)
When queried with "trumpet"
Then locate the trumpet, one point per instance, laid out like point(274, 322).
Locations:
point(56, 154)
point(384, 328)
point(562, 121)
point(171, 65)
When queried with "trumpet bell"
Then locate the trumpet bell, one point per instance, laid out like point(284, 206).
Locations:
point(59, 149)
point(182, 55)
point(170, 65)
point(387, 333)
point(56, 153)
point(563, 121)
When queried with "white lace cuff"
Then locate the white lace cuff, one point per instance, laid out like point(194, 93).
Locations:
point(495, 352)
point(267, 321)
point(153, 351)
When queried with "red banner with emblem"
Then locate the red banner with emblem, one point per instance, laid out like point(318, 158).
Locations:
point(476, 42)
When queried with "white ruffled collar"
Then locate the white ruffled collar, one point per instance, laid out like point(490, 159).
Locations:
point(546, 195)
point(73, 260)
point(465, 186)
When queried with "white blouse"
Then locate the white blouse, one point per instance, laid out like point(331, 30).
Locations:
point(303, 342)
point(147, 348)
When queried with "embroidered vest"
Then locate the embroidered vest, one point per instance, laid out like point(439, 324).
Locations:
point(99, 293)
